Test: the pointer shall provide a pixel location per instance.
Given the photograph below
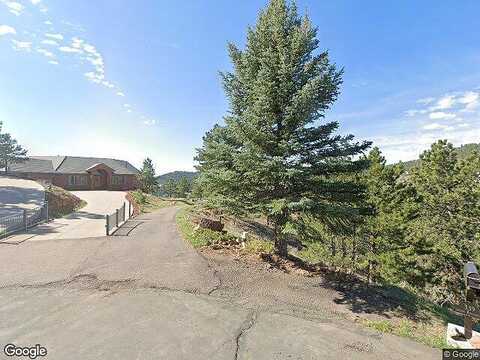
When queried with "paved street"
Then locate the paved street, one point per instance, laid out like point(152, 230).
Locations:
point(18, 194)
point(85, 223)
point(149, 295)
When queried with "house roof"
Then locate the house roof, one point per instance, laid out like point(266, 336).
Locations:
point(71, 165)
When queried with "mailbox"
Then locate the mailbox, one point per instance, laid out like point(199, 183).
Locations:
point(472, 281)
point(472, 295)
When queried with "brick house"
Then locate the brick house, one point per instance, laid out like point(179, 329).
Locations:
point(78, 173)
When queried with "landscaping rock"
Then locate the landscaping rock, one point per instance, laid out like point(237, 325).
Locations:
point(211, 224)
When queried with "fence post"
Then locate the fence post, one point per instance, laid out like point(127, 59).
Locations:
point(46, 211)
point(25, 219)
point(116, 217)
point(107, 225)
point(129, 206)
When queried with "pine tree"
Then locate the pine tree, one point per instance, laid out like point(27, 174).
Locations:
point(446, 233)
point(10, 151)
point(383, 231)
point(276, 155)
point(183, 187)
point(148, 182)
point(170, 188)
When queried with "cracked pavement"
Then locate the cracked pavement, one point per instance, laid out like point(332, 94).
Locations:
point(149, 295)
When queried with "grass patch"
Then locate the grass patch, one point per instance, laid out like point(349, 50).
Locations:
point(148, 202)
point(199, 237)
point(426, 333)
point(257, 246)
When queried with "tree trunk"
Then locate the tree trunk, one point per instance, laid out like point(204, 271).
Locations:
point(280, 243)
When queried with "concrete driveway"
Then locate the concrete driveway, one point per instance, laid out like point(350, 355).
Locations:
point(88, 222)
point(149, 295)
point(18, 194)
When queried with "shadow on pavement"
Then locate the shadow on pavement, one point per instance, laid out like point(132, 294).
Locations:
point(127, 228)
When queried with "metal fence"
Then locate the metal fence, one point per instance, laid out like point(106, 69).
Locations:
point(23, 220)
point(116, 219)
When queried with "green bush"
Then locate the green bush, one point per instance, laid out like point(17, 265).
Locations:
point(139, 197)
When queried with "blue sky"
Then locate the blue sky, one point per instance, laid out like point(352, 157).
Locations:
point(130, 79)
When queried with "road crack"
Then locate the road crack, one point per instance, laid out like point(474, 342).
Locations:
point(246, 326)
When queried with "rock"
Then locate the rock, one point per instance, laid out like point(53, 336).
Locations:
point(211, 224)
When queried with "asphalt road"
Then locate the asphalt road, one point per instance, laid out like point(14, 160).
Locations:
point(85, 223)
point(149, 295)
point(18, 194)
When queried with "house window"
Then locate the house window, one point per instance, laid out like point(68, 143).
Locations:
point(77, 180)
point(118, 180)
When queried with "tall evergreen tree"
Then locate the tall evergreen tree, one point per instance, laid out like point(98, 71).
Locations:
point(170, 188)
point(446, 233)
point(148, 182)
point(275, 155)
point(10, 151)
point(383, 232)
point(183, 187)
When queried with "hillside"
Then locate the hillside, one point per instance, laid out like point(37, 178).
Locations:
point(463, 151)
point(176, 175)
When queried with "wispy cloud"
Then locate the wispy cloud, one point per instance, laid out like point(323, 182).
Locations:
point(62, 43)
point(452, 116)
point(45, 53)
point(54, 36)
point(14, 7)
point(5, 30)
point(50, 42)
point(68, 49)
point(445, 102)
point(441, 115)
point(21, 45)
point(149, 122)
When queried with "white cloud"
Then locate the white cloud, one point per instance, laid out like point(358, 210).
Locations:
point(127, 105)
point(94, 77)
point(426, 101)
point(53, 62)
point(108, 84)
point(50, 42)
point(120, 93)
point(68, 49)
point(5, 30)
point(48, 22)
point(14, 7)
point(441, 115)
point(35, 2)
point(150, 122)
point(54, 36)
point(445, 102)
point(412, 113)
point(22, 45)
point(45, 53)
point(434, 126)
point(470, 99)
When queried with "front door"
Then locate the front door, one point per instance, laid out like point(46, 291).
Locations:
point(100, 180)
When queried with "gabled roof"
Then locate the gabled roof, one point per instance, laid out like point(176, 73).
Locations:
point(71, 165)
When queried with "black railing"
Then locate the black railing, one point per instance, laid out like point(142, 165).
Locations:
point(23, 220)
point(116, 219)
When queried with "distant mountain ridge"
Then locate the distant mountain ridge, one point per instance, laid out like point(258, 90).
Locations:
point(462, 151)
point(176, 175)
